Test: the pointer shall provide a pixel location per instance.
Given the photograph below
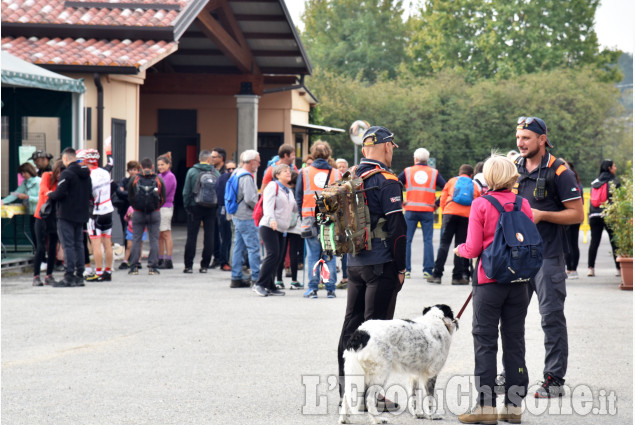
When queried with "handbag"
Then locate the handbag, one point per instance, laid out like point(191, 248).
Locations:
point(46, 209)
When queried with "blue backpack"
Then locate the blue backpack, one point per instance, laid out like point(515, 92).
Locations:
point(231, 191)
point(463, 191)
point(515, 254)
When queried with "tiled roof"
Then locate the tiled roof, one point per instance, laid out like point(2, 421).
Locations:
point(155, 13)
point(139, 54)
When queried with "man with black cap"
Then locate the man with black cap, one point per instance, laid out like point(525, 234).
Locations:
point(42, 161)
point(375, 276)
point(553, 193)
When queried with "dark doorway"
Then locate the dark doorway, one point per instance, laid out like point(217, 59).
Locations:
point(177, 134)
point(118, 146)
point(268, 145)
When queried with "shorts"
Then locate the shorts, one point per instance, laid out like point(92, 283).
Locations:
point(166, 219)
point(129, 235)
point(100, 226)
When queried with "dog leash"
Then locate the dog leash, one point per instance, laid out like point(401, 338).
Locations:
point(469, 297)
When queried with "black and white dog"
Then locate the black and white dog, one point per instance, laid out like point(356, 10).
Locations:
point(418, 348)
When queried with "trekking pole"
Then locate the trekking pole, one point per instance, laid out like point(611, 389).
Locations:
point(469, 297)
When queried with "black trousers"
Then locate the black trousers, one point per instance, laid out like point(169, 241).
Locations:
point(195, 216)
point(71, 236)
point(274, 244)
point(295, 244)
point(598, 225)
point(505, 304)
point(572, 257)
point(370, 293)
point(453, 226)
point(225, 231)
point(45, 231)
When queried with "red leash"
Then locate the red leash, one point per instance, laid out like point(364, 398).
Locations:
point(458, 316)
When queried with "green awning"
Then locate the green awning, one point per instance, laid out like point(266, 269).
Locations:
point(19, 73)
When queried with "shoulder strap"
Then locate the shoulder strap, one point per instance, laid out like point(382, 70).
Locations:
point(495, 203)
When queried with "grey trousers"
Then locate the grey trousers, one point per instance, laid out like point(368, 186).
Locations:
point(140, 221)
point(551, 289)
point(71, 237)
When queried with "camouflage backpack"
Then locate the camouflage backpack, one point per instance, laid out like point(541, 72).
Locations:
point(343, 217)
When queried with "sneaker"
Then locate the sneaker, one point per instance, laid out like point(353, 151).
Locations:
point(407, 275)
point(296, 285)
point(226, 268)
point(573, 274)
point(310, 293)
point(591, 272)
point(280, 284)
point(330, 294)
point(188, 270)
point(93, 277)
point(67, 282)
point(37, 281)
point(462, 281)
point(427, 275)
point(480, 415)
point(153, 271)
point(276, 292)
point(239, 283)
point(124, 266)
point(260, 291)
point(203, 270)
point(510, 413)
point(160, 263)
point(167, 264)
point(79, 281)
point(434, 279)
point(133, 270)
point(106, 277)
point(551, 387)
point(342, 285)
point(49, 280)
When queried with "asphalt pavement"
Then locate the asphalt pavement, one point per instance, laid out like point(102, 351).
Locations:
point(187, 349)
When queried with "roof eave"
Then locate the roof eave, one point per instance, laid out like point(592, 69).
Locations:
point(309, 67)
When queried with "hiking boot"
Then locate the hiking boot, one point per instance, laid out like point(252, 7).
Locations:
point(276, 292)
point(407, 275)
point(240, 283)
point(591, 272)
point(203, 270)
point(342, 285)
point(49, 280)
point(261, 291)
point(37, 281)
point(106, 277)
point(427, 275)
point(434, 279)
point(167, 264)
point(79, 281)
point(551, 387)
point(153, 271)
point(188, 270)
point(510, 413)
point(124, 266)
point(462, 281)
point(160, 263)
point(67, 282)
point(330, 294)
point(280, 284)
point(310, 293)
point(93, 277)
point(133, 270)
point(480, 415)
point(226, 268)
point(296, 285)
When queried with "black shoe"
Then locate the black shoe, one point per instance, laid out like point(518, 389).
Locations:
point(124, 266)
point(49, 280)
point(434, 279)
point(160, 263)
point(67, 282)
point(551, 387)
point(79, 281)
point(105, 277)
point(167, 264)
point(134, 270)
point(214, 264)
point(203, 270)
point(260, 291)
point(188, 270)
point(240, 283)
point(276, 291)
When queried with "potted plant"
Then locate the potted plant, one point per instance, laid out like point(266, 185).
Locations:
point(619, 216)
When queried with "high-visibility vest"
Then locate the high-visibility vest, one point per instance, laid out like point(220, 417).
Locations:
point(421, 182)
point(313, 180)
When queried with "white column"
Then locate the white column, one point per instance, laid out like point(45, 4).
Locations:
point(247, 134)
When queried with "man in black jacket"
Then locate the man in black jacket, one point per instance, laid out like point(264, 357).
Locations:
point(72, 195)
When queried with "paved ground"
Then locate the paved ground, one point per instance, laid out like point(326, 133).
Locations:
point(187, 349)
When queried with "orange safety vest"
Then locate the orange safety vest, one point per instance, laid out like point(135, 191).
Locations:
point(421, 182)
point(313, 180)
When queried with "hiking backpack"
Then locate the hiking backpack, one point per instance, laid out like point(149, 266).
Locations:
point(259, 210)
point(231, 192)
point(515, 254)
point(343, 217)
point(599, 195)
point(205, 189)
point(147, 193)
point(463, 191)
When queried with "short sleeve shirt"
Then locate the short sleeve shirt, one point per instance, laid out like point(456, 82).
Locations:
point(567, 189)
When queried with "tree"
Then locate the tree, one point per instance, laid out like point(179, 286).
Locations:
point(357, 38)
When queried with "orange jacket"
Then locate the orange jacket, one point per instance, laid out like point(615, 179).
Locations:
point(45, 187)
point(309, 176)
point(421, 182)
point(453, 208)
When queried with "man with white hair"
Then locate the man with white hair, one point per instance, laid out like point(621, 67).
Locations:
point(421, 182)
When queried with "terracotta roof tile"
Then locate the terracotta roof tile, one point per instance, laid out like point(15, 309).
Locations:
point(91, 52)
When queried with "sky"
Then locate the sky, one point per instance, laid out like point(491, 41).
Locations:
point(613, 22)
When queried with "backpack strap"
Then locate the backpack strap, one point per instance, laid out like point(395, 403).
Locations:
point(518, 202)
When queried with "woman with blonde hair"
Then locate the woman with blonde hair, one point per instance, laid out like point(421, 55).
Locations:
point(496, 302)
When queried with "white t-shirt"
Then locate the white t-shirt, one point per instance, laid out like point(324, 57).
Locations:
point(101, 191)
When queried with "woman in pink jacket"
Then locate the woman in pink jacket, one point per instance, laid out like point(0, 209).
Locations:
point(504, 303)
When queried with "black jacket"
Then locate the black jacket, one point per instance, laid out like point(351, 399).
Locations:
point(73, 194)
point(604, 177)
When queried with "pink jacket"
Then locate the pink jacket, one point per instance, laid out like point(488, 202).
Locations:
point(483, 220)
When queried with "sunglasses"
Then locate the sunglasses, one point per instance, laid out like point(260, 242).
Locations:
point(529, 120)
point(230, 169)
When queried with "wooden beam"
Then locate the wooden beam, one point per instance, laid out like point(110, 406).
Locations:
point(200, 84)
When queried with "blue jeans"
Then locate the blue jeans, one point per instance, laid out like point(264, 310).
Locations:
point(427, 220)
point(313, 256)
point(245, 237)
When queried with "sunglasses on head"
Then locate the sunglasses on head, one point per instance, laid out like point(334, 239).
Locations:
point(529, 120)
